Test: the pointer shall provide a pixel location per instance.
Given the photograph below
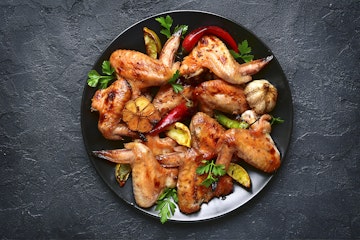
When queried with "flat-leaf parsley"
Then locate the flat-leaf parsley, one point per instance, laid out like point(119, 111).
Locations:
point(166, 23)
point(166, 204)
point(244, 52)
point(95, 79)
point(212, 170)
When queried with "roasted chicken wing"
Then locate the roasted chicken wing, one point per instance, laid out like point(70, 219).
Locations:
point(166, 99)
point(205, 132)
point(222, 96)
point(191, 192)
point(141, 70)
point(211, 53)
point(257, 123)
point(110, 103)
point(254, 147)
point(149, 178)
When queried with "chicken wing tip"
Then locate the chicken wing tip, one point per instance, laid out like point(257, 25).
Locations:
point(268, 58)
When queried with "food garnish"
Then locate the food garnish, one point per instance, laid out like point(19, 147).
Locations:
point(94, 78)
point(180, 133)
point(194, 36)
point(176, 86)
point(212, 170)
point(122, 173)
point(243, 52)
point(239, 174)
point(276, 120)
point(166, 23)
point(166, 204)
point(152, 43)
point(175, 115)
point(140, 114)
point(261, 96)
point(230, 123)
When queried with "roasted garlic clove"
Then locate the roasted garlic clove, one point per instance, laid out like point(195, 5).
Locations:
point(261, 96)
point(140, 114)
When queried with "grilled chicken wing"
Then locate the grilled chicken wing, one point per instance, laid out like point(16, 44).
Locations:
point(211, 53)
point(254, 147)
point(143, 71)
point(110, 103)
point(166, 99)
point(205, 132)
point(164, 145)
point(191, 193)
point(257, 123)
point(148, 176)
point(220, 95)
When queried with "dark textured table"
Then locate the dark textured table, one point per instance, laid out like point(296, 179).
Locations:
point(50, 189)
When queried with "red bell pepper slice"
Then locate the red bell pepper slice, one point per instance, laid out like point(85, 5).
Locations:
point(194, 36)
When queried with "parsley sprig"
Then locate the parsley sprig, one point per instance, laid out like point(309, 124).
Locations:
point(94, 78)
point(212, 170)
point(176, 86)
point(166, 23)
point(244, 52)
point(166, 204)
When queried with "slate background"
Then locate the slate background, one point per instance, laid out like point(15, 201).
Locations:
point(48, 186)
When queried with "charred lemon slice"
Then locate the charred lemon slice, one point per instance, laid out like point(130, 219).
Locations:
point(239, 174)
point(180, 133)
point(140, 114)
point(152, 43)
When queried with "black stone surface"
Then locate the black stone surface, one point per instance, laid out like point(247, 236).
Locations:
point(49, 188)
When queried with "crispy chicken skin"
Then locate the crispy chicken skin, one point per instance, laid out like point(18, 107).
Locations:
point(148, 176)
point(257, 123)
point(254, 147)
point(191, 193)
point(164, 145)
point(110, 103)
point(205, 132)
point(211, 53)
point(141, 70)
point(222, 96)
point(166, 99)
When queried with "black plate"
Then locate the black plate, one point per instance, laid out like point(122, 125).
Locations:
point(132, 38)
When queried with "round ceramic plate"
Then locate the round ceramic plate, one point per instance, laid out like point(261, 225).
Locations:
point(132, 38)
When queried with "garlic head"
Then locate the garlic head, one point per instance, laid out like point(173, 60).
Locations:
point(261, 96)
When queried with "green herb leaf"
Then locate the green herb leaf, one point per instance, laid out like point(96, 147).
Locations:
point(176, 86)
point(212, 170)
point(166, 23)
point(183, 28)
point(94, 78)
point(244, 47)
point(166, 204)
point(244, 51)
point(247, 58)
point(276, 120)
point(107, 69)
point(104, 81)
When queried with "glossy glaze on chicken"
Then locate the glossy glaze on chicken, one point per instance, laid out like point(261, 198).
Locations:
point(159, 162)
